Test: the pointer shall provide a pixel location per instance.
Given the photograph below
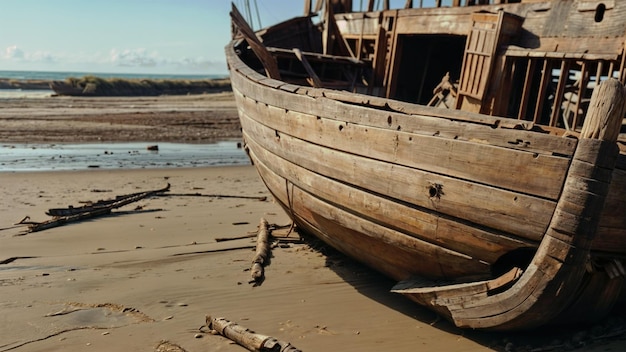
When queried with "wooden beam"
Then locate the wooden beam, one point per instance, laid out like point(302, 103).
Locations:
point(316, 82)
point(318, 5)
point(528, 80)
point(582, 90)
point(268, 61)
point(543, 87)
point(560, 89)
point(622, 76)
point(332, 36)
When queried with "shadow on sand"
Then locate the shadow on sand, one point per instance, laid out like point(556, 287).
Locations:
point(553, 338)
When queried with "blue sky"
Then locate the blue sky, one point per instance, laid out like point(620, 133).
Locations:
point(125, 36)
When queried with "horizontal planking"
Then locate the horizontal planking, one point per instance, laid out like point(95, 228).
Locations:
point(384, 249)
point(374, 112)
point(505, 211)
point(419, 223)
point(519, 171)
point(422, 120)
point(542, 22)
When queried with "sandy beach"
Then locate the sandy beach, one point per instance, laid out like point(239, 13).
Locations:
point(145, 277)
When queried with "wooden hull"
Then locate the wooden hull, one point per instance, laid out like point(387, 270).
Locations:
point(492, 224)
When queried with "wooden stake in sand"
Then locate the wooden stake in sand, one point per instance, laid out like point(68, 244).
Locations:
point(248, 338)
point(262, 252)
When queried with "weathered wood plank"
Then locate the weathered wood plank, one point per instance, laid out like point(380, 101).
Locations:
point(424, 120)
point(410, 117)
point(425, 225)
point(503, 168)
point(246, 83)
point(540, 22)
point(519, 214)
point(269, 63)
point(391, 252)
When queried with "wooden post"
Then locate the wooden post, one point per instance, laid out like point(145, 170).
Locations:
point(262, 252)
point(315, 80)
point(559, 272)
point(566, 245)
point(606, 111)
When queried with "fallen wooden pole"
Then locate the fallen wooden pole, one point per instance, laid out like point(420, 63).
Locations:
point(262, 252)
point(260, 198)
point(94, 211)
point(222, 239)
point(248, 338)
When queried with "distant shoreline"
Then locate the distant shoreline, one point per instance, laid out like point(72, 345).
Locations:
point(97, 86)
point(33, 84)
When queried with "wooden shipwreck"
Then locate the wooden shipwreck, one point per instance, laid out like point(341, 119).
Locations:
point(470, 151)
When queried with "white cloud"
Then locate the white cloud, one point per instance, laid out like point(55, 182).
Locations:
point(134, 58)
point(122, 60)
point(16, 54)
point(13, 52)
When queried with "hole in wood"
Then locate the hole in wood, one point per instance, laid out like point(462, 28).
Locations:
point(600, 10)
point(399, 128)
point(517, 258)
point(340, 127)
point(389, 120)
point(435, 190)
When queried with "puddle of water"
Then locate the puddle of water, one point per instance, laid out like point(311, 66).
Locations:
point(25, 93)
point(46, 157)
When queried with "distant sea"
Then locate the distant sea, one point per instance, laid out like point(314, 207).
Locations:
point(61, 75)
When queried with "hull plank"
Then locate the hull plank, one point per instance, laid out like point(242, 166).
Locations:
point(427, 226)
point(519, 214)
point(411, 118)
point(477, 162)
point(415, 256)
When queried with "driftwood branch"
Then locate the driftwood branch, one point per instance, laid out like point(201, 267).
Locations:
point(223, 239)
point(196, 194)
point(248, 338)
point(261, 256)
point(72, 214)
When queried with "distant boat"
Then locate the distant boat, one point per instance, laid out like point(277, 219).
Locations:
point(458, 150)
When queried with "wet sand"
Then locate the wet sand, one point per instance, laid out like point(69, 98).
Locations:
point(203, 118)
point(144, 276)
